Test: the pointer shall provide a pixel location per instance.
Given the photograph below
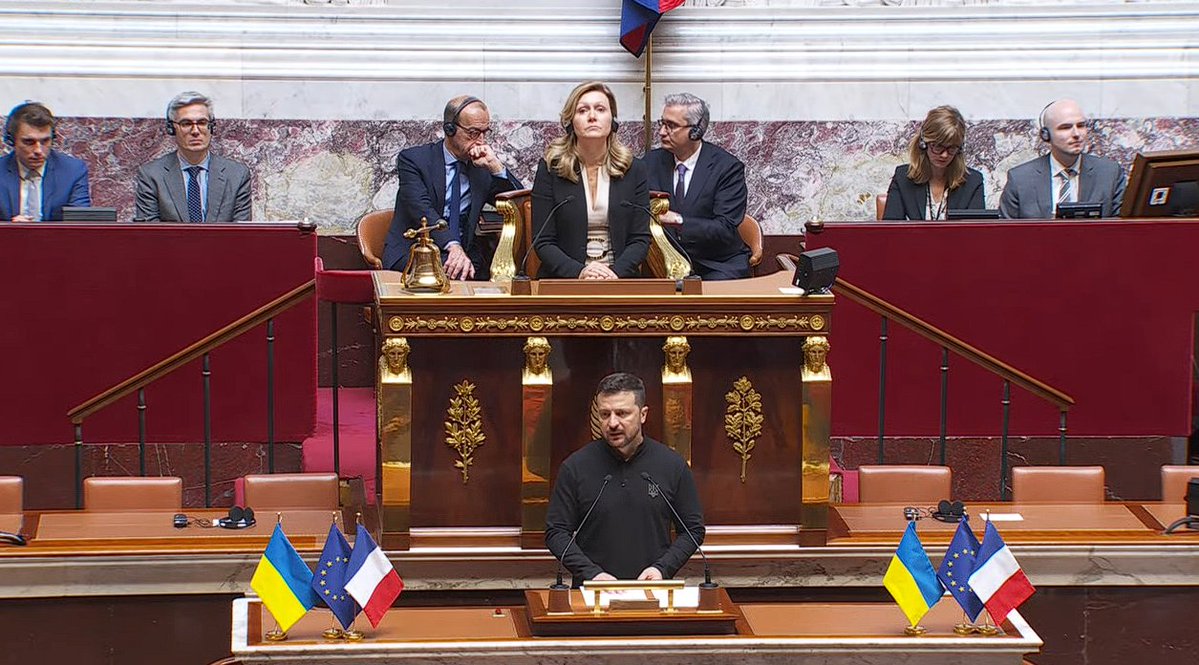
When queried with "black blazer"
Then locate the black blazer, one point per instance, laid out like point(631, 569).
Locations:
point(712, 210)
point(562, 245)
point(422, 194)
point(907, 200)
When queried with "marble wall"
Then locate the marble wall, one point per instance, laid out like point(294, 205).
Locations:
point(819, 101)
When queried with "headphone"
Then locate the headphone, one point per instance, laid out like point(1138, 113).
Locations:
point(171, 123)
point(238, 518)
point(10, 123)
point(450, 118)
point(946, 511)
point(1043, 132)
point(696, 132)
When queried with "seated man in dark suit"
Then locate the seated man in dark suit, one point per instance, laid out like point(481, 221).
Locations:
point(36, 181)
point(466, 167)
point(707, 186)
point(191, 184)
point(1035, 188)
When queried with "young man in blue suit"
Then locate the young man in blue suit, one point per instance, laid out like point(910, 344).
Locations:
point(36, 181)
point(708, 205)
point(430, 173)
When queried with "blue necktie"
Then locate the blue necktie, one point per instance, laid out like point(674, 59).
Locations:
point(455, 195)
point(195, 211)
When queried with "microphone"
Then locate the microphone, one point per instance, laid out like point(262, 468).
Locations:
point(674, 242)
point(558, 584)
point(708, 584)
point(520, 274)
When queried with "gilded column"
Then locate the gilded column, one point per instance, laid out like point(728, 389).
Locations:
point(394, 390)
point(817, 412)
point(537, 385)
point(676, 396)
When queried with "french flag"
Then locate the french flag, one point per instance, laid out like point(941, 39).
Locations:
point(371, 580)
point(637, 21)
point(997, 579)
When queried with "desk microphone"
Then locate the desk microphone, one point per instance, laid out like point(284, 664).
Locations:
point(520, 274)
point(558, 584)
point(674, 242)
point(708, 584)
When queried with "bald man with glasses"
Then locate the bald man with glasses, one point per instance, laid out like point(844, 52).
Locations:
point(450, 179)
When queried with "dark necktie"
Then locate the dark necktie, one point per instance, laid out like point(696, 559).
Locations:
point(680, 187)
point(195, 211)
point(455, 196)
point(1065, 193)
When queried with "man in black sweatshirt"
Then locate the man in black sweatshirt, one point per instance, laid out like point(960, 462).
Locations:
point(627, 535)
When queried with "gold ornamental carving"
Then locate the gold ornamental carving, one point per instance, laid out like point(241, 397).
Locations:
point(537, 368)
point(817, 322)
point(743, 419)
point(464, 427)
point(815, 352)
point(393, 362)
point(675, 351)
point(606, 323)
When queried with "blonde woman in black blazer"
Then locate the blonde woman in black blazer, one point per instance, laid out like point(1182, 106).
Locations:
point(581, 241)
point(936, 179)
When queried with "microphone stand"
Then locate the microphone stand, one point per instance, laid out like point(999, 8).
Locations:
point(559, 591)
point(521, 285)
point(709, 597)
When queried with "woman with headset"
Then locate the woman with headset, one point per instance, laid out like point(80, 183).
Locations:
point(936, 179)
point(590, 197)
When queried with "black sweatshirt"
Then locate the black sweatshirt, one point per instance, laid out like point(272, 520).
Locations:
point(629, 529)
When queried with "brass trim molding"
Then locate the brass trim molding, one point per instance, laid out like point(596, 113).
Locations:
point(591, 324)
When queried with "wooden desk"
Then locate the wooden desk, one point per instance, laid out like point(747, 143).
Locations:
point(1039, 523)
point(744, 341)
point(770, 634)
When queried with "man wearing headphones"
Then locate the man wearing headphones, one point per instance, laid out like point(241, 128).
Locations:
point(449, 179)
point(1035, 188)
point(707, 186)
point(191, 184)
point(36, 181)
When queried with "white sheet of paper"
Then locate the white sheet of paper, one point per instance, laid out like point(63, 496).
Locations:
point(683, 598)
point(1003, 517)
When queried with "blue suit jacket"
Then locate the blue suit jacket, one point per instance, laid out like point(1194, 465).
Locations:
point(422, 194)
point(712, 210)
point(64, 183)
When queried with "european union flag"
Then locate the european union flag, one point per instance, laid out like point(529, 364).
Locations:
point(329, 579)
point(957, 566)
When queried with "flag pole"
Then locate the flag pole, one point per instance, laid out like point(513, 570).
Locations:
point(648, 90)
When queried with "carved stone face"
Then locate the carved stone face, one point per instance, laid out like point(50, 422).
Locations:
point(396, 352)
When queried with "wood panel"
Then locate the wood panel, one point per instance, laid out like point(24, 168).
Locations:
point(491, 497)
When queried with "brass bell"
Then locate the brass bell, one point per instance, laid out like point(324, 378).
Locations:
point(424, 272)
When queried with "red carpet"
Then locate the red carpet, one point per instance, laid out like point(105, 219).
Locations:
point(357, 436)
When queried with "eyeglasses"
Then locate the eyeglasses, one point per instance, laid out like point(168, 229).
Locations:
point(950, 150)
point(188, 125)
point(670, 126)
point(473, 133)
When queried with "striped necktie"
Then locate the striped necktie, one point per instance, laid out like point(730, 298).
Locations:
point(1065, 192)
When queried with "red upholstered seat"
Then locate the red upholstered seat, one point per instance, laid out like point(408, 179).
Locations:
point(343, 286)
point(903, 483)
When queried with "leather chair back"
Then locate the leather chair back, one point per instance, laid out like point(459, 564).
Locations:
point(12, 495)
point(291, 491)
point(372, 235)
point(1058, 484)
point(122, 493)
point(904, 483)
point(880, 206)
point(751, 235)
point(1174, 481)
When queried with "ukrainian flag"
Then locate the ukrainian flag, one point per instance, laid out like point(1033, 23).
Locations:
point(911, 579)
point(283, 581)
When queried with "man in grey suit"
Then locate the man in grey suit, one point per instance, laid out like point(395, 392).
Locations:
point(191, 184)
point(1066, 175)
